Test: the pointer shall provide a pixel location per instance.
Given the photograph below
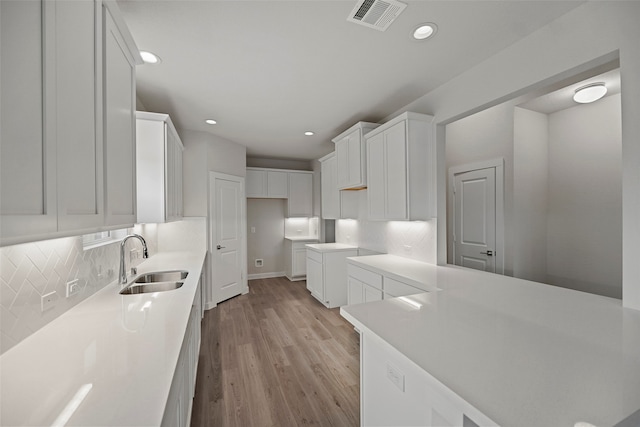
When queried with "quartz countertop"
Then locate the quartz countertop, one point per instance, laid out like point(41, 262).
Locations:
point(522, 353)
point(330, 247)
point(109, 361)
point(302, 238)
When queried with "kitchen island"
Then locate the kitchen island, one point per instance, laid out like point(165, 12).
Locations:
point(110, 360)
point(485, 349)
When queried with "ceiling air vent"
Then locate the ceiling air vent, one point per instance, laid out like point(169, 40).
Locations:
point(378, 14)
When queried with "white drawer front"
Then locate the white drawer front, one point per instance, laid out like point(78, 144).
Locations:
point(366, 276)
point(394, 288)
point(316, 256)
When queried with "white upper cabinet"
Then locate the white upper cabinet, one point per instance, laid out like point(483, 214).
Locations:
point(159, 168)
point(399, 165)
point(119, 82)
point(336, 204)
point(267, 184)
point(300, 202)
point(330, 195)
point(57, 141)
point(27, 135)
point(351, 156)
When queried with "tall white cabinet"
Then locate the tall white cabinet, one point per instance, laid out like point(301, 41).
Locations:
point(159, 163)
point(67, 135)
point(400, 159)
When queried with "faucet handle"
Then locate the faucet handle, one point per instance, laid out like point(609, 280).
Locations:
point(134, 271)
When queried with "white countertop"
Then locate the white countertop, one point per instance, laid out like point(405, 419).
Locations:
point(118, 351)
point(302, 238)
point(523, 353)
point(330, 247)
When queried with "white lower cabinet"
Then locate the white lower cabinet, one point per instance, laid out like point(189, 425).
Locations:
point(177, 412)
point(396, 392)
point(364, 285)
point(327, 272)
point(295, 265)
point(367, 286)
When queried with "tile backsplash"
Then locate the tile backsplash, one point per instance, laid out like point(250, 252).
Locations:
point(410, 239)
point(29, 271)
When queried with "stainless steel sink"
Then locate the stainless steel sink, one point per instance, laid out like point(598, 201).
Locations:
point(144, 288)
point(162, 276)
point(157, 281)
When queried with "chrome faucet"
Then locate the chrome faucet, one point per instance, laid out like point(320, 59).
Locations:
point(123, 271)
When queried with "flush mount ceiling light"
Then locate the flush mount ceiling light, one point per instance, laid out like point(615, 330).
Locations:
point(149, 58)
point(210, 122)
point(424, 31)
point(590, 93)
point(309, 133)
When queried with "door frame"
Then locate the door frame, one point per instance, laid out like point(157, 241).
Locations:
point(498, 164)
point(211, 231)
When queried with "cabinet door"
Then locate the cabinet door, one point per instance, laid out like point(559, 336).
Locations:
point(27, 135)
point(300, 200)
point(315, 278)
point(395, 143)
point(170, 174)
point(80, 151)
point(342, 156)
point(299, 261)
point(329, 189)
point(119, 126)
point(256, 183)
point(370, 293)
point(277, 185)
point(355, 292)
point(178, 182)
point(376, 176)
point(355, 147)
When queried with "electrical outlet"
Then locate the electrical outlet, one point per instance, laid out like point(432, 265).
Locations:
point(395, 376)
point(253, 229)
point(73, 287)
point(259, 263)
point(133, 254)
point(48, 301)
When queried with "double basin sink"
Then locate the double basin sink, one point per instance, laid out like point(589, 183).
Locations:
point(158, 281)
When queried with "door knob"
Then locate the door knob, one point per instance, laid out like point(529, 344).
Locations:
point(220, 247)
point(487, 253)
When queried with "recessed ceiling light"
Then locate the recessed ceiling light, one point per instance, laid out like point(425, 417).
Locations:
point(590, 93)
point(308, 133)
point(424, 31)
point(210, 122)
point(149, 58)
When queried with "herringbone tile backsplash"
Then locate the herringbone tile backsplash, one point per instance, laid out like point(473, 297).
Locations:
point(31, 270)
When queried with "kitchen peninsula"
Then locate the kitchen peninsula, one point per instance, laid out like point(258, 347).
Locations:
point(487, 349)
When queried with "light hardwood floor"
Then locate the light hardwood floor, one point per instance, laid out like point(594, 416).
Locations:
point(277, 357)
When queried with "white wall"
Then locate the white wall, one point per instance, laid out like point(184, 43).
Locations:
point(558, 50)
point(205, 152)
point(267, 243)
point(486, 135)
point(530, 187)
point(584, 237)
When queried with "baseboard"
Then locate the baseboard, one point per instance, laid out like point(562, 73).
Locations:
point(265, 275)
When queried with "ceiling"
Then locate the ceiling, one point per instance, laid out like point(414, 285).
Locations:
point(267, 71)
point(562, 99)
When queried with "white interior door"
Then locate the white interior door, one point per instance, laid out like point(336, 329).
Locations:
point(474, 231)
point(227, 218)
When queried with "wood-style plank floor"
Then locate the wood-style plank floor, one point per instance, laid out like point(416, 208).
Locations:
point(277, 357)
